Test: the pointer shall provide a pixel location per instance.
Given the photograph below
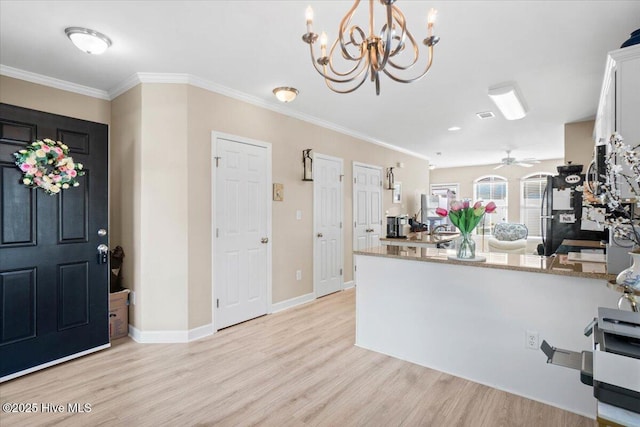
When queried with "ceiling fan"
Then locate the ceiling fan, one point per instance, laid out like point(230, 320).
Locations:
point(508, 161)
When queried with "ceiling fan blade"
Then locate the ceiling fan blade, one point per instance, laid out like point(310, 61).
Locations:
point(526, 165)
point(529, 160)
point(498, 167)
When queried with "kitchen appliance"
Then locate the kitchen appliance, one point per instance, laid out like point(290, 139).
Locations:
point(613, 367)
point(396, 226)
point(596, 170)
point(562, 211)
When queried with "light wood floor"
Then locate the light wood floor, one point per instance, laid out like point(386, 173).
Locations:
point(294, 368)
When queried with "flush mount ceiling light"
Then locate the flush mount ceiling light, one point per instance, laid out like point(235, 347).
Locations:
point(485, 115)
point(87, 40)
point(285, 94)
point(454, 128)
point(360, 52)
point(508, 101)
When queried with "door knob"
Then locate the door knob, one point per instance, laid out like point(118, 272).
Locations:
point(264, 240)
point(102, 232)
point(103, 254)
point(319, 234)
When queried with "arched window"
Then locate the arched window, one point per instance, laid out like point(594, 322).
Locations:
point(492, 188)
point(531, 190)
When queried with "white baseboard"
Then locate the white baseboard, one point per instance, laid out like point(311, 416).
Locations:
point(53, 362)
point(283, 305)
point(169, 337)
point(350, 284)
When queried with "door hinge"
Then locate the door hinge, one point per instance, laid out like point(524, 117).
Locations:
point(217, 303)
point(355, 268)
point(354, 224)
point(380, 183)
point(217, 159)
point(217, 232)
point(340, 224)
point(341, 176)
point(354, 180)
point(341, 272)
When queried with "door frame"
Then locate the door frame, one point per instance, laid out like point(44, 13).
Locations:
point(316, 156)
point(215, 136)
point(355, 202)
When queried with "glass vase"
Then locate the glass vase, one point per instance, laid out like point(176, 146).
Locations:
point(631, 276)
point(466, 247)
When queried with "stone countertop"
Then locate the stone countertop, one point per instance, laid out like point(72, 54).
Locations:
point(559, 265)
point(424, 238)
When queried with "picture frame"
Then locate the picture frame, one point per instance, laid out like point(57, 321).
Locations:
point(397, 192)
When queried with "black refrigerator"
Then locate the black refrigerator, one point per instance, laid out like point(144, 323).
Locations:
point(561, 213)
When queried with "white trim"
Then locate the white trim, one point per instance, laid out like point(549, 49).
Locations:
point(348, 285)
point(53, 362)
point(200, 332)
point(129, 83)
point(293, 302)
point(182, 78)
point(269, 183)
point(53, 82)
point(170, 337)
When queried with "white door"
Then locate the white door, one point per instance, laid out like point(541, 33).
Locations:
point(367, 206)
point(242, 228)
point(327, 218)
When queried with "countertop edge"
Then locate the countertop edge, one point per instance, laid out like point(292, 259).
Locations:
point(598, 276)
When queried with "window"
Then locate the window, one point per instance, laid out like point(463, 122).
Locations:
point(531, 190)
point(491, 188)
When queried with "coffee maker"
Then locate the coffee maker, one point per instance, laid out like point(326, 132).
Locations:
point(396, 225)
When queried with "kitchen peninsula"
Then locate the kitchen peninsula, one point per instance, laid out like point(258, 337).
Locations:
point(470, 319)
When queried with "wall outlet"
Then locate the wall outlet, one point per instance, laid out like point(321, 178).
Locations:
point(531, 340)
point(298, 274)
point(298, 214)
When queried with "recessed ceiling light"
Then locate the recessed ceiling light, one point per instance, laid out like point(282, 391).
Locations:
point(87, 40)
point(454, 128)
point(486, 115)
point(285, 94)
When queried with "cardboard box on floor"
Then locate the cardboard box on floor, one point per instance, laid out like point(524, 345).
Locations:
point(119, 314)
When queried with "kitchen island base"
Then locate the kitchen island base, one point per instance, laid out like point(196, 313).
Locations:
point(472, 322)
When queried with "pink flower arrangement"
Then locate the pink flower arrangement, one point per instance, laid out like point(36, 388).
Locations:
point(465, 216)
point(46, 164)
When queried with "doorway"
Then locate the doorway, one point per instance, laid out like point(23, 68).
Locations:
point(241, 229)
point(327, 218)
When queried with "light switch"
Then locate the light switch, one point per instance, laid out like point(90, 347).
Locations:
point(298, 214)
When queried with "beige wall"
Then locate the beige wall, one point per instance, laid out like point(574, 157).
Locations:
point(466, 175)
point(44, 98)
point(169, 207)
point(292, 239)
point(579, 143)
point(125, 187)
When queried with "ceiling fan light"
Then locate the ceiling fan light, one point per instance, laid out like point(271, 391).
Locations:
point(508, 101)
point(285, 94)
point(87, 40)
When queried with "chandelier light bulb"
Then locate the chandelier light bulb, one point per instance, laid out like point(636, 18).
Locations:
point(309, 16)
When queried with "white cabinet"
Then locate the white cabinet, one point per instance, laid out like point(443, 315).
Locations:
point(619, 106)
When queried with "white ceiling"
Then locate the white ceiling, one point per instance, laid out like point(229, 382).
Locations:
point(554, 50)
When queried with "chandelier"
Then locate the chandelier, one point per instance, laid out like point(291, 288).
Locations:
point(372, 54)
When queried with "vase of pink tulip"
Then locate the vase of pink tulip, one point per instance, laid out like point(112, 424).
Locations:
point(466, 218)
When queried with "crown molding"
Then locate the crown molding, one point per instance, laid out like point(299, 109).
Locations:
point(53, 82)
point(181, 78)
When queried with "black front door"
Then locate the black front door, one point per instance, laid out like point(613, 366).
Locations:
point(53, 290)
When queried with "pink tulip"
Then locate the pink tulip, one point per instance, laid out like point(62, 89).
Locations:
point(441, 212)
point(456, 206)
point(490, 207)
point(465, 204)
point(477, 205)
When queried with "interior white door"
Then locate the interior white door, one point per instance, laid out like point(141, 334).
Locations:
point(242, 231)
point(327, 202)
point(367, 206)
